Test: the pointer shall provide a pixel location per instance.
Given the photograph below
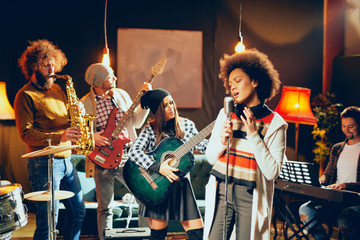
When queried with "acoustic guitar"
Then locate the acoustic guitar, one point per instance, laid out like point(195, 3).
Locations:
point(153, 188)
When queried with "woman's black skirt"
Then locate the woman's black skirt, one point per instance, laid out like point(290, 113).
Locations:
point(180, 205)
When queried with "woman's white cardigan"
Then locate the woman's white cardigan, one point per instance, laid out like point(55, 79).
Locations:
point(269, 154)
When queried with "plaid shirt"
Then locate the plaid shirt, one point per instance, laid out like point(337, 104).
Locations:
point(104, 106)
point(147, 139)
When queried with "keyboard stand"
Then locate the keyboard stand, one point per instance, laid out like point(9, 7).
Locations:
point(283, 210)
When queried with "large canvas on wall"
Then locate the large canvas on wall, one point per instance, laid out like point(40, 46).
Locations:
point(138, 50)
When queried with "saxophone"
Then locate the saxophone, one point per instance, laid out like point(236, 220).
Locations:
point(84, 121)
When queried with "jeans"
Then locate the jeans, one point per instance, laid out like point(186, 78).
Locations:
point(65, 178)
point(347, 219)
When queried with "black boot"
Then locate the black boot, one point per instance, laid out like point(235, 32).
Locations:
point(158, 234)
point(195, 234)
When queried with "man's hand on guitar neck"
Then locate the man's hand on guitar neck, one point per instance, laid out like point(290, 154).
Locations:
point(146, 87)
point(168, 171)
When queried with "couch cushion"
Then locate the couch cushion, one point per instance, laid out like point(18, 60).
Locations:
point(88, 187)
point(78, 160)
point(200, 175)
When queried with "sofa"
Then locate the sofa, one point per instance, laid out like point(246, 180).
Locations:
point(199, 176)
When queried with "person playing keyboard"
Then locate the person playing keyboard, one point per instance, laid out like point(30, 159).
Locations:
point(341, 173)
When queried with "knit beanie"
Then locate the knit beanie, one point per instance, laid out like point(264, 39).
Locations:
point(153, 98)
point(96, 74)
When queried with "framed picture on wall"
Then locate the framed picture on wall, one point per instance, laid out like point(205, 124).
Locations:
point(138, 50)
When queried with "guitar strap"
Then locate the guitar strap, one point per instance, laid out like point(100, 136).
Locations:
point(115, 103)
point(117, 97)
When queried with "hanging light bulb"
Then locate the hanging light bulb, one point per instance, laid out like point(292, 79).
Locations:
point(106, 55)
point(240, 45)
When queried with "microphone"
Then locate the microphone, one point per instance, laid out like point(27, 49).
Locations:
point(228, 107)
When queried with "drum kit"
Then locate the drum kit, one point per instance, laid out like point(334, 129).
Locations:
point(13, 214)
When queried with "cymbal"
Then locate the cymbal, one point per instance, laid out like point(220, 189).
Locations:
point(46, 196)
point(49, 150)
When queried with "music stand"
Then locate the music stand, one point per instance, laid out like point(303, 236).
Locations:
point(300, 172)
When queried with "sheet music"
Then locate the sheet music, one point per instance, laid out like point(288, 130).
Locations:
point(300, 172)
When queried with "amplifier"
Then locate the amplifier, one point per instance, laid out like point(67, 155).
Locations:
point(128, 233)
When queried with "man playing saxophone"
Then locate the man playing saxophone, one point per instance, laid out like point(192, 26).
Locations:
point(41, 113)
point(100, 101)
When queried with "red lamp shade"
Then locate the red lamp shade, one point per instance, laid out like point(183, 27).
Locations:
point(294, 105)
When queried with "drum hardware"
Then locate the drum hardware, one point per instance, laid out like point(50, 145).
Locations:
point(4, 182)
point(13, 214)
point(46, 196)
point(5, 236)
point(50, 151)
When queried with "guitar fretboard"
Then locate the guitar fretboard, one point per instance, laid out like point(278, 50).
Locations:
point(186, 147)
point(156, 70)
point(130, 111)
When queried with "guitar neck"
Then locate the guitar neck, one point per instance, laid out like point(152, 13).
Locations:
point(130, 111)
point(186, 147)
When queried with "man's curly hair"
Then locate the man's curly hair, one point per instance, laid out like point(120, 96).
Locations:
point(257, 66)
point(37, 53)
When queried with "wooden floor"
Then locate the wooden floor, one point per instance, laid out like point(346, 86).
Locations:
point(26, 232)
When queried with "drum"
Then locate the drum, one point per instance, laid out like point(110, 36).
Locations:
point(13, 214)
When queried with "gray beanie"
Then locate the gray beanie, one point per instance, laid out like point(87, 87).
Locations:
point(96, 74)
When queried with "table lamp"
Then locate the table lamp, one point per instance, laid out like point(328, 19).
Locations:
point(6, 110)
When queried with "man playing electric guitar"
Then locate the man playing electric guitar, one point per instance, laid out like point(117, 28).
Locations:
point(100, 101)
point(180, 204)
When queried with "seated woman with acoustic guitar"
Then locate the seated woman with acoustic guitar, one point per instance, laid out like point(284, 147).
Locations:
point(178, 201)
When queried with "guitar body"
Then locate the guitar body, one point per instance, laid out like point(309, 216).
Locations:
point(153, 188)
point(110, 156)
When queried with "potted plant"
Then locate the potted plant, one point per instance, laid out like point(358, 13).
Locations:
point(327, 132)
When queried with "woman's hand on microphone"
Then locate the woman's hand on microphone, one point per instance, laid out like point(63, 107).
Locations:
point(227, 132)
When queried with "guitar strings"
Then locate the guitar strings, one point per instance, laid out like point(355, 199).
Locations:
point(201, 135)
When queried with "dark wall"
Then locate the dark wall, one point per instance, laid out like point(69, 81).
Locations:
point(347, 73)
point(289, 31)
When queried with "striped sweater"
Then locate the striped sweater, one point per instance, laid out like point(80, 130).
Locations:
point(242, 162)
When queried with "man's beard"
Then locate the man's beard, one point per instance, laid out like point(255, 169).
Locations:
point(43, 82)
point(351, 136)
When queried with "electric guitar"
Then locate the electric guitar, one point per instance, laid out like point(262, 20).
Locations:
point(109, 156)
point(153, 188)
